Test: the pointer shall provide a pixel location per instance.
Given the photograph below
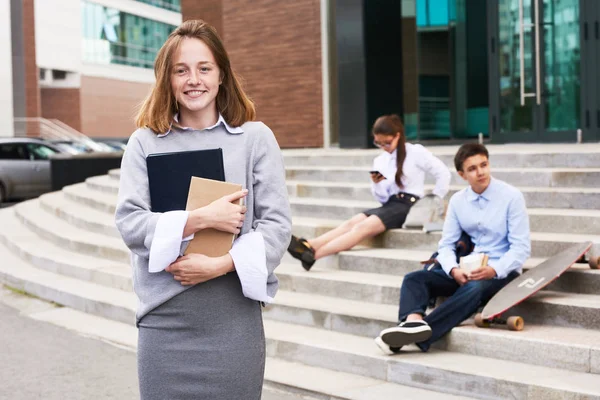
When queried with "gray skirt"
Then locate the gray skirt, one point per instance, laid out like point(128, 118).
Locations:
point(205, 343)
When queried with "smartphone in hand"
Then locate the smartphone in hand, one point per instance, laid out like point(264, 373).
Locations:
point(376, 176)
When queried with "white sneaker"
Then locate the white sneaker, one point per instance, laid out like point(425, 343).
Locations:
point(406, 332)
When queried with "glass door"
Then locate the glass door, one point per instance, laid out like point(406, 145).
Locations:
point(536, 83)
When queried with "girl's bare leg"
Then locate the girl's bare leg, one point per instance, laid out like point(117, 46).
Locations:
point(369, 227)
point(345, 227)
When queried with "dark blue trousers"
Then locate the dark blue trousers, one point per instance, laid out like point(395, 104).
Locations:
point(419, 287)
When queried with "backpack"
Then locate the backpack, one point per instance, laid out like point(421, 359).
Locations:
point(463, 247)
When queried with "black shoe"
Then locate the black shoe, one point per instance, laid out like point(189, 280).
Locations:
point(300, 249)
point(406, 332)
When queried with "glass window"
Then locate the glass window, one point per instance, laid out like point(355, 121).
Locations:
point(434, 12)
point(13, 151)
point(171, 5)
point(114, 37)
point(445, 73)
point(40, 152)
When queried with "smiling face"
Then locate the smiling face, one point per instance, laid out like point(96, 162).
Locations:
point(476, 171)
point(195, 78)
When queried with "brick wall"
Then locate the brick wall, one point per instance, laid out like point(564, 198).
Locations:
point(62, 104)
point(30, 95)
point(210, 11)
point(108, 106)
point(32, 90)
point(276, 47)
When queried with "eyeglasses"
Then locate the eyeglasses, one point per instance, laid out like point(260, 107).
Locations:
point(383, 145)
point(386, 145)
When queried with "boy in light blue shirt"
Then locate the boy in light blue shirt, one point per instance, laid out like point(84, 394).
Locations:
point(494, 215)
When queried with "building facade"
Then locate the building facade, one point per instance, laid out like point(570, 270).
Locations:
point(511, 70)
point(87, 63)
point(321, 71)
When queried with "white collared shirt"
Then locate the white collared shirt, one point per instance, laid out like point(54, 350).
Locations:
point(220, 121)
point(497, 222)
point(418, 161)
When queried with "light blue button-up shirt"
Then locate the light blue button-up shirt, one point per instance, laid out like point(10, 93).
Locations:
point(497, 222)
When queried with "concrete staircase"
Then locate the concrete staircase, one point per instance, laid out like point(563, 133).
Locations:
point(63, 247)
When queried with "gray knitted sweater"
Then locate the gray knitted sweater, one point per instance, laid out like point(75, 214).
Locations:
point(251, 158)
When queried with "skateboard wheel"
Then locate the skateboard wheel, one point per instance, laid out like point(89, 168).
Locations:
point(594, 257)
point(515, 323)
point(395, 350)
point(480, 322)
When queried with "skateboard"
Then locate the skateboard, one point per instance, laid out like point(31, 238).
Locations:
point(526, 285)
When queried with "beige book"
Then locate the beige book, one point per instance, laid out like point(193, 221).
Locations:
point(210, 242)
point(473, 261)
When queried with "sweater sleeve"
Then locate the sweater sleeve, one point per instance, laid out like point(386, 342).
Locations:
point(155, 236)
point(272, 217)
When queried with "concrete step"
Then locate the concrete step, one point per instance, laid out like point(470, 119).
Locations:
point(543, 245)
point(538, 177)
point(350, 285)
point(118, 305)
point(577, 279)
point(43, 254)
point(564, 222)
point(78, 214)
point(521, 155)
point(101, 201)
point(314, 381)
point(448, 372)
point(546, 175)
point(67, 236)
point(293, 370)
point(541, 219)
point(536, 197)
point(84, 296)
point(378, 287)
point(570, 348)
point(103, 183)
point(290, 377)
point(571, 310)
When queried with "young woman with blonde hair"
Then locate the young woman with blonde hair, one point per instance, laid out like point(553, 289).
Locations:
point(200, 321)
point(397, 182)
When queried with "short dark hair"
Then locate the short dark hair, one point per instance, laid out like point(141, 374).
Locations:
point(469, 150)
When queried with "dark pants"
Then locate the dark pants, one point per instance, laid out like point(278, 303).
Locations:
point(420, 286)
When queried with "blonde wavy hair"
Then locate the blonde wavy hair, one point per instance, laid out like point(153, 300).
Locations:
point(160, 106)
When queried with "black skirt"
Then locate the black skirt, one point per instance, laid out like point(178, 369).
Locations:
point(393, 213)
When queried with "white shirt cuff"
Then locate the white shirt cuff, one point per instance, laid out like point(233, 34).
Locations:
point(166, 245)
point(250, 259)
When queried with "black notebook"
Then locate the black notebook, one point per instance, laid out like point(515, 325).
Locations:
point(170, 174)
